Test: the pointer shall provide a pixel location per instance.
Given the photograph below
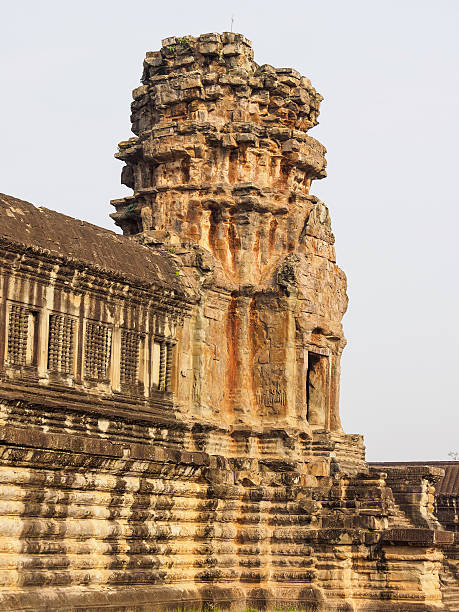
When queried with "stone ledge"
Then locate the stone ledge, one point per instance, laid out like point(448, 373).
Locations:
point(118, 599)
point(70, 399)
point(38, 440)
point(425, 537)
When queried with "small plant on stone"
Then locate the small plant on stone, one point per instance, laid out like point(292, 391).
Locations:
point(172, 48)
point(130, 208)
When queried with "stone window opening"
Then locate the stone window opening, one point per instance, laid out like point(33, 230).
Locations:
point(131, 342)
point(97, 353)
point(61, 339)
point(317, 389)
point(162, 365)
point(22, 336)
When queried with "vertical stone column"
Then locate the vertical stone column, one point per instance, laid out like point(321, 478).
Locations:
point(239, 364)
point(245, 365)
point(79, 375)
point(43, 330)
point(334, 418)
point(162, 366)
point(42, 342)
point(301, 374)
point(115, 360)
point(4, 281)
point(144, 369)
point(169, 354)
point(196, 355)
point(290, 363)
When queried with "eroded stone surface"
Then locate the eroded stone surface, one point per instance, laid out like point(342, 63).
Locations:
point(221, 171)
point(169, 399)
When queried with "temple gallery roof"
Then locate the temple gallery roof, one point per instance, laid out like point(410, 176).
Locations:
point(34, 227)
point(447, 485)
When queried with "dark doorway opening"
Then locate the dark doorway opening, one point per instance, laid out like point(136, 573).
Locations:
point(316, 389)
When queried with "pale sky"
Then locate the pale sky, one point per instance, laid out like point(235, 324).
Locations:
point(389, 73)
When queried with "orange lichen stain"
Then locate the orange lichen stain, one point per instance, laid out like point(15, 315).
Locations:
point(256, 167)
point(256, 245)
point(177, 110)
point(185, 167)
point(284, 172)
point(272, 235)
point(256, 251)
point(272, 168)
point(193, 213)
point(287, 116)
point(233, 166)
point(232, 343)
point(242, 154)
point(331, 417)
point(193, 232)
point(233, 242)
point(213, 231)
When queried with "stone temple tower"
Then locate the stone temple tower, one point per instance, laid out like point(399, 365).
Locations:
point(169, 399)
point(221, 168)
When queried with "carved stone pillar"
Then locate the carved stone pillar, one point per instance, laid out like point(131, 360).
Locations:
point(162, 366)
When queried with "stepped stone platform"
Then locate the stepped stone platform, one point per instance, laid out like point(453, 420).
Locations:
point(169, 399)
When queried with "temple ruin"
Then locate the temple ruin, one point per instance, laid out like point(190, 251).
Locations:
point(169, 398)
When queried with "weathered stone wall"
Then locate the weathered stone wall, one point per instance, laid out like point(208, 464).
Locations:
point(428, 494)
point(88, 522)
point(169, 400)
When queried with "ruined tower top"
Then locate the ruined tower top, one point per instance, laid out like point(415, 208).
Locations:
point(221, 158)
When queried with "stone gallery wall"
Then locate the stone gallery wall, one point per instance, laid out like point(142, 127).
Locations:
point(169, 398)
